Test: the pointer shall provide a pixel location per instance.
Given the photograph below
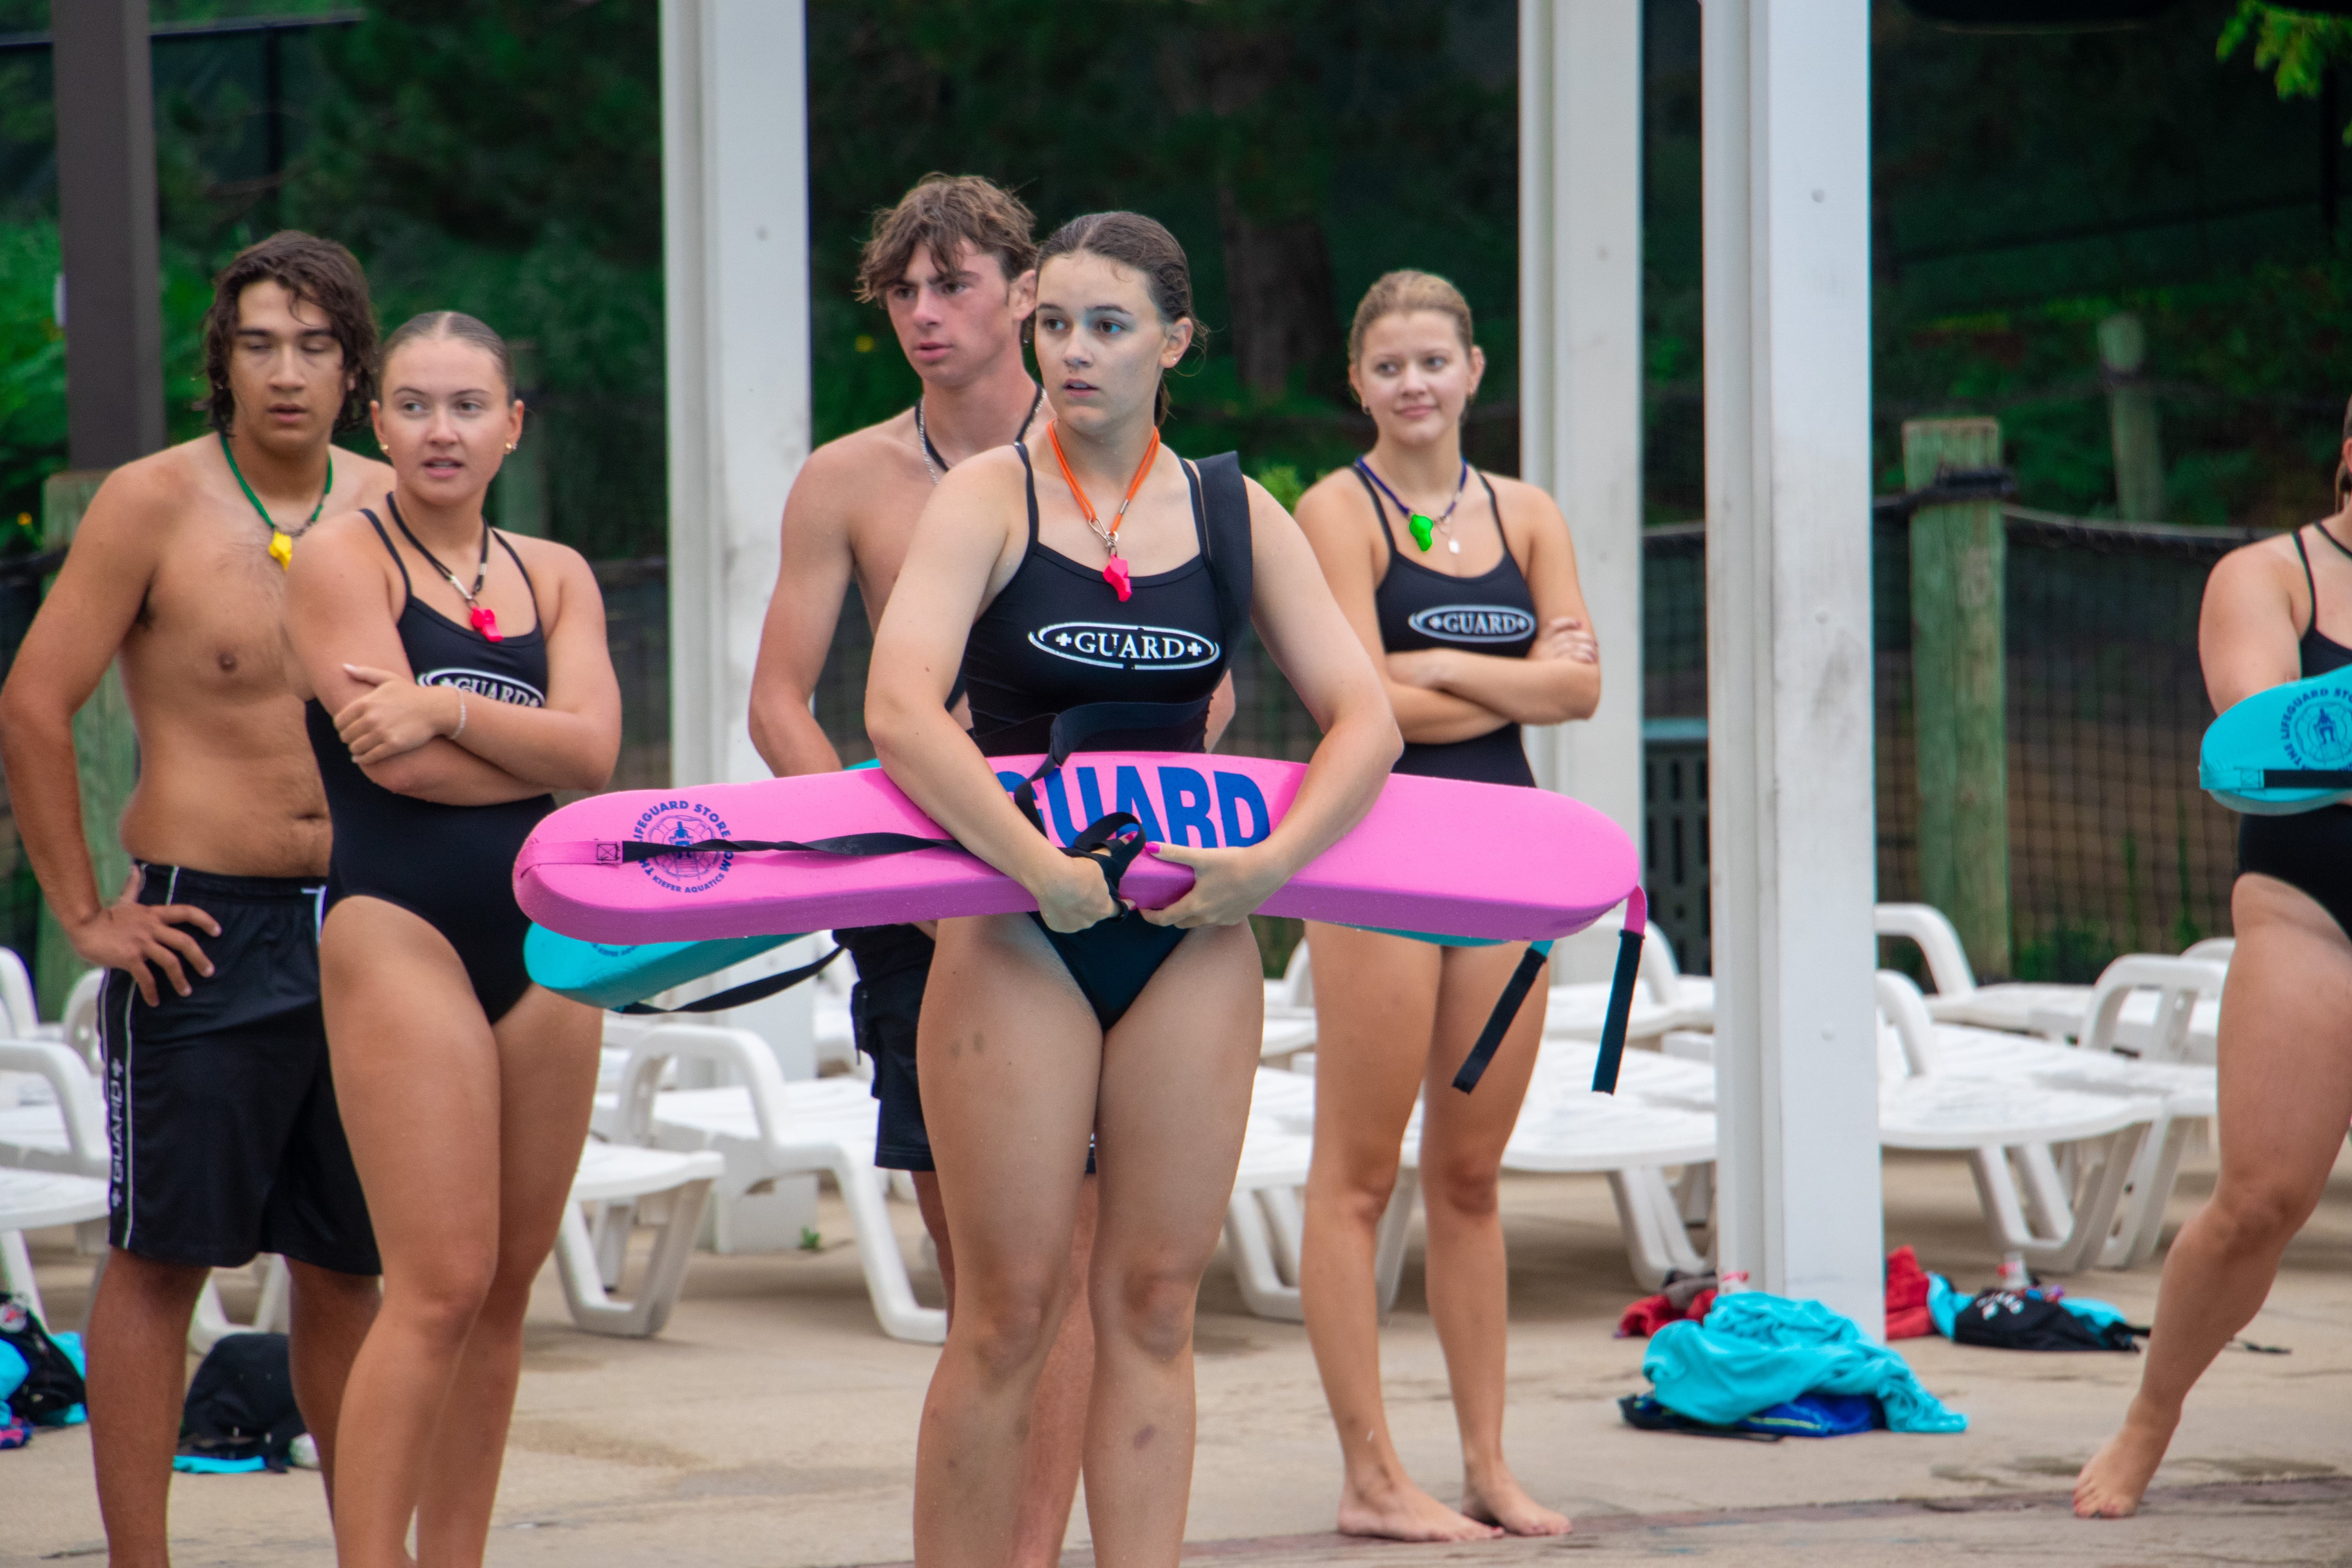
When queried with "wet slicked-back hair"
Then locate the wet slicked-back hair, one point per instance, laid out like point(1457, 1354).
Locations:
point(465, 329)
point(1141, 245)
point(318, 272)
point(938, 216)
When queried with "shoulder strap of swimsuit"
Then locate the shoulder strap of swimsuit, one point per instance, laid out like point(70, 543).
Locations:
point(408, 589)
point(1380, 512)
point(1029, 482)
point(2309, 581)
point(529, 586)
point(1497, 503)
point(1226, 540)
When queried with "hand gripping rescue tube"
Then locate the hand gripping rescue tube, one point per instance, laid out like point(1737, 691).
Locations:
point(2283, 751)
point(717, 862)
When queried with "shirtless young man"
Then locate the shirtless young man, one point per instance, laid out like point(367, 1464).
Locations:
point(220, 1108)
point(955, 266)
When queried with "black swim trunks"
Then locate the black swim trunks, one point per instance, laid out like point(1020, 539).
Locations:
point(885, 1007)
point(220, 1104)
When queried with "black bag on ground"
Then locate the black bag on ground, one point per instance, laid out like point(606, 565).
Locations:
point(2013, 1321)
point(51, 1385)
point(241, 1403)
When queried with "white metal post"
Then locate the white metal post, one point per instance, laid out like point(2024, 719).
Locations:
point(1786, 139)
point(1581, 357)
point(735, 252)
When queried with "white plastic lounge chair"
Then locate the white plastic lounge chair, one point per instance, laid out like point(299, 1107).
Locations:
point(631, 1186)
point(1958, 999)
point(2170, 1010)
point(2057, 1011)
point(19, 1018)
point(1921, 1106)
point(60, 1124)
point(1664, 998)
point(2006, 1100)
point(1661, 1116)
point(764, 1127)
point(31, 1200)
point(1264, 1222)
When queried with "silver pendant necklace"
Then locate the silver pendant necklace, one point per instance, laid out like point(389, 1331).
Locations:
point(937, 466)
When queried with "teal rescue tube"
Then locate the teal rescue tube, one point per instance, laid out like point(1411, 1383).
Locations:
point(2283, 751)
point(612, 975)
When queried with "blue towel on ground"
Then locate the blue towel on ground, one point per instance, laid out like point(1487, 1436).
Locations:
point(1758, 1350)
point(1818, 1416)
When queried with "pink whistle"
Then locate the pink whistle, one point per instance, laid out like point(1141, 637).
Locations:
point(486, 621)
point(1115, 573)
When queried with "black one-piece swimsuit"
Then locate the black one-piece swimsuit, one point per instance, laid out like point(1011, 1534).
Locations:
point(1492, 613)
point(1056, 637)
point(450, 865)
point(2311, 850)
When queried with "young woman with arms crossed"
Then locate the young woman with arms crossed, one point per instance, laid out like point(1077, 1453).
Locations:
point(1464, 589)
point(2274, 612)
point(1088, 1020)
point(467, 678)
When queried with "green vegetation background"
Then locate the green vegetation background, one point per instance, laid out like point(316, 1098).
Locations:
point(503, 156)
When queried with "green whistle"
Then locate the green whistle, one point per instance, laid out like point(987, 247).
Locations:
point(1421, 529)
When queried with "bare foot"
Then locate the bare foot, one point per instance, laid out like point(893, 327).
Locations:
point(1403, 1511)
point(1501, 1500)
point(2111, 1484)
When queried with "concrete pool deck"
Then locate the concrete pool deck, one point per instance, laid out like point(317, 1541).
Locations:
point(772, 1427)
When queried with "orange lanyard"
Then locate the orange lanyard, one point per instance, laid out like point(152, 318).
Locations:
point(1115, 572)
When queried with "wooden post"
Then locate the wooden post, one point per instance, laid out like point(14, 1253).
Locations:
point(1959, 691)
point(105, 750)
point(107, 229)
point(2131, 420)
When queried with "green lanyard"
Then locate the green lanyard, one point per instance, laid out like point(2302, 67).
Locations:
point(281, 543)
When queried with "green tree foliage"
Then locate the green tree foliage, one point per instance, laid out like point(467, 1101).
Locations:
point(2297, 47)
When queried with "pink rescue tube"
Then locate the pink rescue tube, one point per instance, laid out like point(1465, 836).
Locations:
point(1438, 856)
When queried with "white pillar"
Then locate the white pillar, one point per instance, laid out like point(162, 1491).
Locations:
point(1786, 149)
point(735, 251)
point(735, 255)
point(1581, 364)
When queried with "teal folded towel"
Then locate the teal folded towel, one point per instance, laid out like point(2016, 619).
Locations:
point(1758, 1350)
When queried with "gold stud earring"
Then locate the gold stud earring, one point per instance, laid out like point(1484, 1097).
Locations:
point(511, 446)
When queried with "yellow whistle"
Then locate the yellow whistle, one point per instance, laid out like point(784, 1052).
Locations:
point(281, 549)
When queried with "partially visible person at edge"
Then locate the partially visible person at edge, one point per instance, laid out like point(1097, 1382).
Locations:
point(2274, 611)
point(1463, 588)
point(456, 676)
point(1090, 1020)
point(220, 1105)
point(954, 265)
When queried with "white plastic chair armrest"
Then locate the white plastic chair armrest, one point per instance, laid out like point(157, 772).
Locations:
point(740, 1049)
point(1940, 943)
point(79, 1099)
point(1899, 999)
point(2185, 979)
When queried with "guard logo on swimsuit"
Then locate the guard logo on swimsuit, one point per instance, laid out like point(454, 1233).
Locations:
point(482, 683)
point(1109, 647)
point(684, 823)
point(2317, 730)
point(1473, 623)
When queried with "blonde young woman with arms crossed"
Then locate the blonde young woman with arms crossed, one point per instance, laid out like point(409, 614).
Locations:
point(1463, 588)
point(457, 678)
point(1089, 1020)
